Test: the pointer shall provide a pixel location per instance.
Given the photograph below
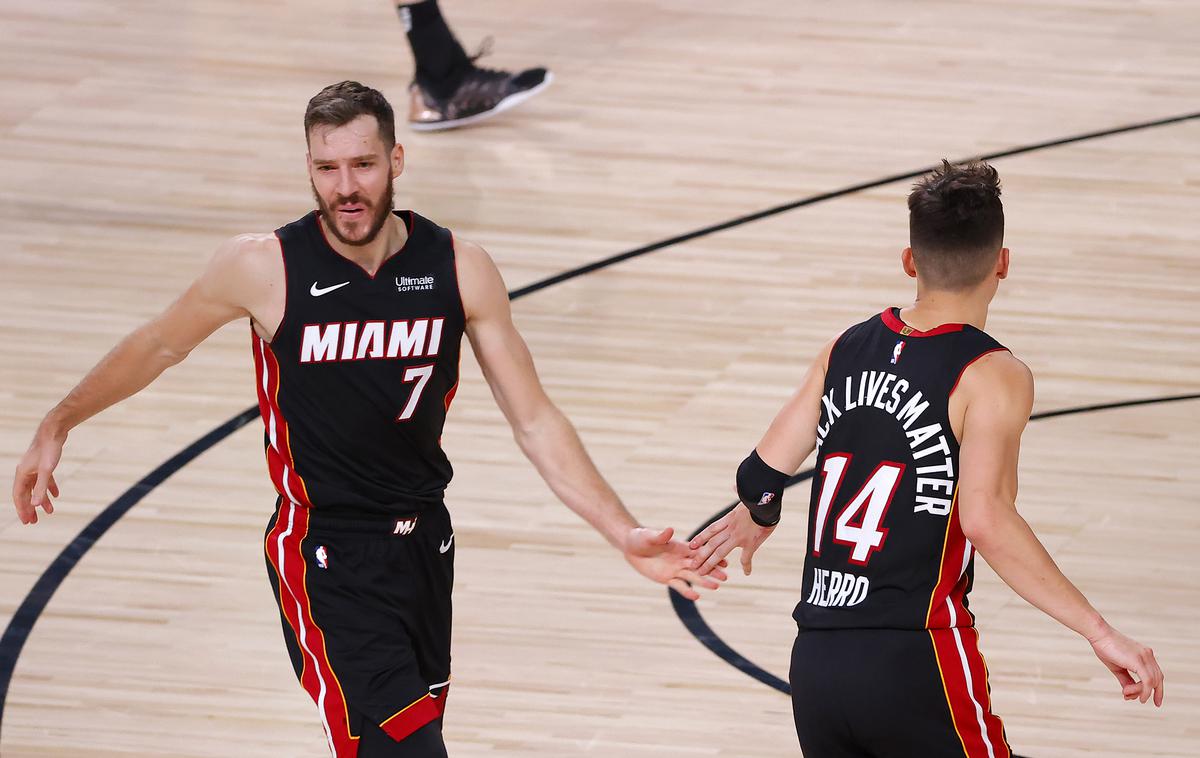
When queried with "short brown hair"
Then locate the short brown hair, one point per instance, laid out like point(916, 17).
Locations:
point(956, 224)
point(339, 104)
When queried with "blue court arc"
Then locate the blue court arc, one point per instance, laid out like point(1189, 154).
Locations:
point(22, 623)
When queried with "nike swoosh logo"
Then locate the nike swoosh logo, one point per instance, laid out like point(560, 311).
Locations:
point(316, 291)
point(442, 548)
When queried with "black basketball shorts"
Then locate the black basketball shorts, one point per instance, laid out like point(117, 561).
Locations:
point(365, 606)
point(883, 693)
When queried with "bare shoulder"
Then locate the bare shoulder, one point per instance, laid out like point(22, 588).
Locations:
point(471, 256)
point(247, 272)
point(826, 351)
point(248, 253)
point(479, 281)
point(999, 378)
point(1002, 367)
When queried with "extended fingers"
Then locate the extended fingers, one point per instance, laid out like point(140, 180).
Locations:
point(708, 533)
point(682, 588)
point(694, 578)
point(722, 547)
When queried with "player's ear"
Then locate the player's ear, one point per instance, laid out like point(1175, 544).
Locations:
point(1002, 264)
point(397, 159)
point(906, 260)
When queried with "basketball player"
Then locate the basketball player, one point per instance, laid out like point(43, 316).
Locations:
point(357, 314)
point(917, 417)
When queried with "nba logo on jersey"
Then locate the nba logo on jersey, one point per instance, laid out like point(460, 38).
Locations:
point(322, 557)
point(405, 525)
point(899, 348)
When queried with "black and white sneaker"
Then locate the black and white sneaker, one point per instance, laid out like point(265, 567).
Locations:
point(484, 92)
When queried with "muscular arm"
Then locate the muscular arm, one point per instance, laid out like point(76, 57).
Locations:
point(544, 434)
point(230, 287)
point(998, 392)
point(999, 398)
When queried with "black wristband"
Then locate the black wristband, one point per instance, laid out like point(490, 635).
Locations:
point(760, 489)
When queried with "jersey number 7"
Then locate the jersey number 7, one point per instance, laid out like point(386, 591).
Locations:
point(859, 524)
point(420, 375)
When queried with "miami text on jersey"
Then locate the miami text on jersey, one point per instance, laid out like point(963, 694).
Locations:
point(365, 340)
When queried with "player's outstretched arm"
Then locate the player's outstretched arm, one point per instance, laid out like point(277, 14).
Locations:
point(546, 436)
point(223, 292)
point(998, 392)
point(788, 441)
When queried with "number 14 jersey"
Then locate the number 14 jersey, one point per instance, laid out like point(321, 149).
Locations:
point(885, 548)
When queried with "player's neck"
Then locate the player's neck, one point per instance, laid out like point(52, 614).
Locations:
point(934, 308)
point(371, 256)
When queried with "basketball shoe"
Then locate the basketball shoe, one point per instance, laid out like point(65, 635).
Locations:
point(483, 93)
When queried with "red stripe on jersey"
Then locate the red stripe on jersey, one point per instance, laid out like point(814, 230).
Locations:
point(974, 722)
point(952, 578)
point(284, 548)
point(415, 715)
point(280, 463)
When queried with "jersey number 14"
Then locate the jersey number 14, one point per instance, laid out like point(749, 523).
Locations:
point(859, 524)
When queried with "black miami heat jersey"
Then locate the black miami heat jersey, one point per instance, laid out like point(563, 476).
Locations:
point(355, 385)
point(885, 548)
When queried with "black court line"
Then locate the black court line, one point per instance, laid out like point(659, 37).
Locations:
point(689, 612)
point(20, 626)
point(814, 199)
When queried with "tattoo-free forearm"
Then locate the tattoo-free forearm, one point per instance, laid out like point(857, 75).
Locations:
point(129, 367)
point(1014, 552)
point(553, 446)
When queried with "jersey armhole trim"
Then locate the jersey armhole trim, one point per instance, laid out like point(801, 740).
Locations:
point(972, 363)
point(286, 288)
point(462, 307)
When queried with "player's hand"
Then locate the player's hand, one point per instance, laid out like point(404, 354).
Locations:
point(1125, 657)
point(33, 483)
point(668, 561)
point(734, 529)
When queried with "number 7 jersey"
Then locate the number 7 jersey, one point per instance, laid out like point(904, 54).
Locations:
point(355, 385)
point(885, 548)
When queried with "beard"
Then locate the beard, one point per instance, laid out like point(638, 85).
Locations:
point(363, 231)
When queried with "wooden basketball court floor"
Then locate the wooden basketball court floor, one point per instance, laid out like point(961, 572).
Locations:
point(134, 136)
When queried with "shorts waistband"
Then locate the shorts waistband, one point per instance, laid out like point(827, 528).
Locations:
point(398, 524)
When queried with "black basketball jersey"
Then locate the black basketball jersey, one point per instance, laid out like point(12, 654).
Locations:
point(355, 385)
point(885, 548)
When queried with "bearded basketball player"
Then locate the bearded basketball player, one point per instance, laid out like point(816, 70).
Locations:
point(357, 314)
point(917, 415)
